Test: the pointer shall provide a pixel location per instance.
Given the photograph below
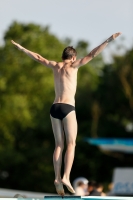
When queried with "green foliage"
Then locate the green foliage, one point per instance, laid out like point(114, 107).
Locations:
point(27, 92)
point(104, 105)
point(104, 111)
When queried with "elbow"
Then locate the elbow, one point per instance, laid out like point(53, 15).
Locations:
point(38, 57)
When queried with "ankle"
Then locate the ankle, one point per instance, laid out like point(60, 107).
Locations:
point(57, 180)
point(65, 178)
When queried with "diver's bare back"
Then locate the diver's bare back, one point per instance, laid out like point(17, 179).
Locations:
point(65, 78)
point(65, 73)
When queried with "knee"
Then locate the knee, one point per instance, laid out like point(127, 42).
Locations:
point(71, 145)
point(59, 145)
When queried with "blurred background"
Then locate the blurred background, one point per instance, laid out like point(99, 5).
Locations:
point(104, 98)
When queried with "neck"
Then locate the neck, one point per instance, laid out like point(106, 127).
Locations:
point(67, 61)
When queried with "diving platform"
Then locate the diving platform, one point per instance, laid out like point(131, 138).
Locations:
point(72, 198)
point(87, 198)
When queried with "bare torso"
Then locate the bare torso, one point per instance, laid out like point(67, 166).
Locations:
point(65, 80)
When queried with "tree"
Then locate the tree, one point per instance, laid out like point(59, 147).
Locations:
point(107, 114)
point(27, 92)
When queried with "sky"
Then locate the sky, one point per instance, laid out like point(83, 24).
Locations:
point(90, 20)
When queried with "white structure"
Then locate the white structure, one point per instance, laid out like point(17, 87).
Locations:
point(8, 193)
point(123, 181)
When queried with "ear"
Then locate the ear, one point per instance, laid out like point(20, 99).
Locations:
point(73, 58)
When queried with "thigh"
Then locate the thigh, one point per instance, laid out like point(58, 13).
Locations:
point(70, 127)
point(57, 130)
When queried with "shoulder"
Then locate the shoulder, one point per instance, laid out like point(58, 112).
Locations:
point(58, 65)
point(76, 64)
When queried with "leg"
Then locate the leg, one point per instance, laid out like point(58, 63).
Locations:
point(70, 128)
point(57, 156)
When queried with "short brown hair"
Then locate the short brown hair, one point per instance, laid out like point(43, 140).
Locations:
point(68, 53)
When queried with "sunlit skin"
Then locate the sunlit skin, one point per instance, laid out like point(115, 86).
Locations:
point(65, 83)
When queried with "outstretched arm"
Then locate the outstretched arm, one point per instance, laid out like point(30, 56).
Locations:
point(95, 51)
point(35, 56)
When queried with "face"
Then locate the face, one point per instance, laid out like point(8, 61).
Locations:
point(90, 188)
point(85, 186)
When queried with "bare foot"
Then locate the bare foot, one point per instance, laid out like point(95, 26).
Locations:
point(59, 188)
point(68, 185)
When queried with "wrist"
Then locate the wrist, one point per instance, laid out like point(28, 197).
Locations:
point(109, 39)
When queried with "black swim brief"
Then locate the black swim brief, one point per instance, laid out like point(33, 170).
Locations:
point(61, 110)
